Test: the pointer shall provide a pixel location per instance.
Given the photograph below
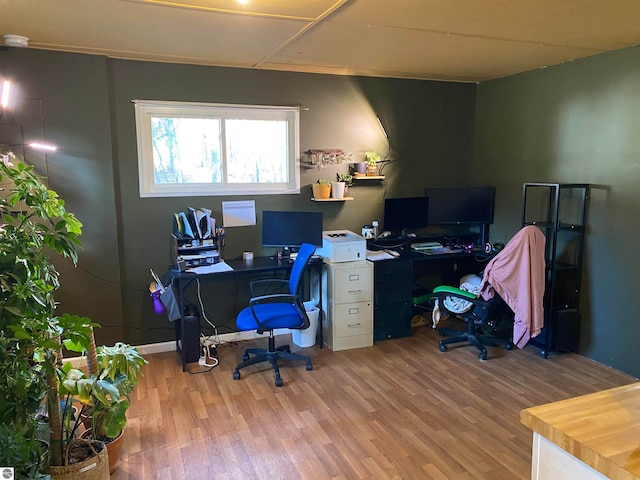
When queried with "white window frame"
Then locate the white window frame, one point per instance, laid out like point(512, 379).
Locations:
point(145, 110)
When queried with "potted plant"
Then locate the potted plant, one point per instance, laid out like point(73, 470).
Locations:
point(105, 392)
point(345, 178)
point(372, 158)
point(321, 189)
point(33, 224)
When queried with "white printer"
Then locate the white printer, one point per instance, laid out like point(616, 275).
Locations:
point(342, 246)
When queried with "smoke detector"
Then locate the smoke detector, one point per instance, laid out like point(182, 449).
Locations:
point(16, 41)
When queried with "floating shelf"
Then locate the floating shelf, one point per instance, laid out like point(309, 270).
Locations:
point(368, 177)
point(344, 199)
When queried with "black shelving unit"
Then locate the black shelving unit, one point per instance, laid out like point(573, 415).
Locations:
point(560, 211)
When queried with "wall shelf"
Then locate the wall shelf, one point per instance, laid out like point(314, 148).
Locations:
point(368, 177)
point(344, 199)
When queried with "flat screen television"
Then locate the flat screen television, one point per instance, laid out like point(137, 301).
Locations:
point(402, 214)
point(460, 205)
point(287, 229)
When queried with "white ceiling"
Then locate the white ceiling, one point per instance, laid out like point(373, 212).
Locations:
point(459, 40)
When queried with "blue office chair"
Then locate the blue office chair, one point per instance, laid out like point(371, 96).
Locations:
point(268, 312)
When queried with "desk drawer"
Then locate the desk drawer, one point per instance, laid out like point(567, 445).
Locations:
point(353, 319)
point(392, 271)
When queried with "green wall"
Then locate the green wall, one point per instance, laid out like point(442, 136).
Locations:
point(430, 126)
point(576, 122)
point(88, 112)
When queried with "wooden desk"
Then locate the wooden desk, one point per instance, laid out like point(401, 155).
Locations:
point(594, 436)
point(181, 280)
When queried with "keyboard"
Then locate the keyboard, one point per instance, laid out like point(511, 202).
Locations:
point(425, 245)
point(441, 250)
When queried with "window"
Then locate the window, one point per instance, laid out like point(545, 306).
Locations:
point(216, 149)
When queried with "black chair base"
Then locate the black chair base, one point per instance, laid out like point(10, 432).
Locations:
point(471, 337)
point(272, 355)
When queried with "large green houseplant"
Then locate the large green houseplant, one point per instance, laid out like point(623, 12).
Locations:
point(34, 225)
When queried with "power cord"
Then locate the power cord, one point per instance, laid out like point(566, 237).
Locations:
point(204, 315)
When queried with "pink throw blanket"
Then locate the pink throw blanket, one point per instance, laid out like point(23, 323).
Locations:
point(517, 274)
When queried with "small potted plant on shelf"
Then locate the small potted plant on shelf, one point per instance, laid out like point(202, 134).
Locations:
point(372, 158)
point(347, 179)
point(321, 189)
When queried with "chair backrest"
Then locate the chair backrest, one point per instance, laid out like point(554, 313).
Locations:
point(304, 255)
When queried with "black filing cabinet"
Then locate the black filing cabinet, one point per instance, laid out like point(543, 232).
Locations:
point(392, 299)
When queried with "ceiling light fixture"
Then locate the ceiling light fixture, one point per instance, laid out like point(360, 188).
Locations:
point(242, 2)
point(16, 41)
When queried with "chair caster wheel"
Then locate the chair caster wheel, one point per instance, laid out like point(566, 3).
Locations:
point(309, 367)
point(245, 357)
point(482, 355)
point(508, 346)
point(236, 375)
point(443, 348)
point(279, 382)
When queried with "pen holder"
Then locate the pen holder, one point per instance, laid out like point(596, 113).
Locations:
point(158, 307)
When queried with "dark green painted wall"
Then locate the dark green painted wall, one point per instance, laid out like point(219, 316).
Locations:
point(89, 114)
point(576, 122)
point(430, 125)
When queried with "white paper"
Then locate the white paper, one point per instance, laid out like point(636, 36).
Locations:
point(374, 256)
point(239, 214)
point(215, 268)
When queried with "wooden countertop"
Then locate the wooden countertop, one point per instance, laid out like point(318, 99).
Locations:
point(601, 429)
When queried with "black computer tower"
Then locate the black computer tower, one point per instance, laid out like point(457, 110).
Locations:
point(188, 335)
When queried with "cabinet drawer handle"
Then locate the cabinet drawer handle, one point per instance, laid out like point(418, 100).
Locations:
point(354, 324)
point(353, 311)
point(354, 291)
point(354, 276)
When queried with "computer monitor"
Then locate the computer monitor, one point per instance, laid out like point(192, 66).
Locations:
point(402, 214)
point(289, 230)
point(460, 205)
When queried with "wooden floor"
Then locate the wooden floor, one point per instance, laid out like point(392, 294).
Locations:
point(398, 410)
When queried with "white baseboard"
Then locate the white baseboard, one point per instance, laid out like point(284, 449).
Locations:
point(224, 338)
point(160, 347)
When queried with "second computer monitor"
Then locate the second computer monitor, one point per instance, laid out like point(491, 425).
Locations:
point(460, 205)
point(402, 215)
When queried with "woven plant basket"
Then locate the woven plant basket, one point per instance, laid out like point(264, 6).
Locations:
point(93, 468)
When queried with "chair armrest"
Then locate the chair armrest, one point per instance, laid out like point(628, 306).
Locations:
point(280, 281)
point(275, 296)
point(456, 292)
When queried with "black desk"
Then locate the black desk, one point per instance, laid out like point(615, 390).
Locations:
point(395, 281)
point(181, 280)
